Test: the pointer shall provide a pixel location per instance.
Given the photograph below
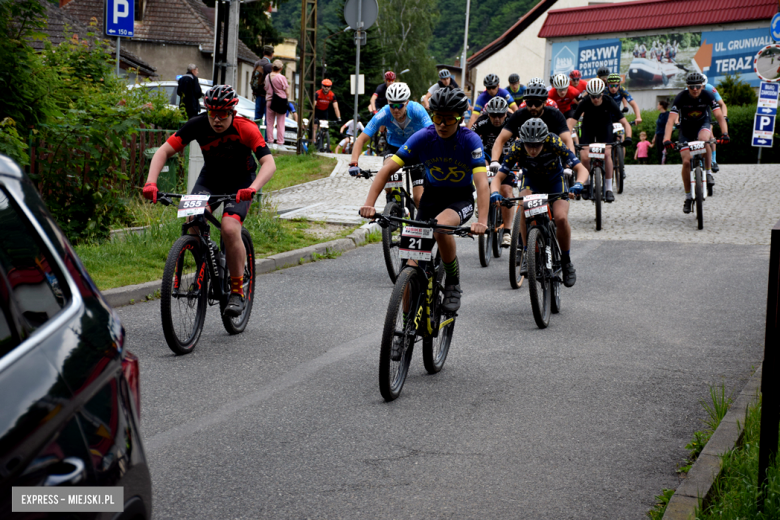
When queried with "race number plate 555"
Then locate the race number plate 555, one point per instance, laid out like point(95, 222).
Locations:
point(416, 243)
point(696, 147)
point(192, 205)
point(596, 151)
point(535, 205)
point(394, 181)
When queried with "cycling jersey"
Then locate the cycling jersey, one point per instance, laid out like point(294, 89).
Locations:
point(564, 103)
point(692, 111)
point(597, 123)
point(323, 101)
point(548, 103)
point(449, 163)
point(552, 117)
point(621, 94)
point(709, 87)
point(483, 98)
point(416, 119)
point(350, 127)
point(580, 86)
point(487, 133)
point(226, 155)
point(549, 162)
point(381, 96)
point(517, 96)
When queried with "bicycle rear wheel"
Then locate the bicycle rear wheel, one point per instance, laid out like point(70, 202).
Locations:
point(238, 324)
point(391, 241)
point(435, 350)
point(539, 287)
point(184, 294)
point(619, 177)
point(598, 195)
point(399, 334)
point(698, 193)
point(486, 241)
point(498, 236)
point(516, 253)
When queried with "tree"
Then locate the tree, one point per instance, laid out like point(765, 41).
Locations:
point(405, 32)
point(736, 92)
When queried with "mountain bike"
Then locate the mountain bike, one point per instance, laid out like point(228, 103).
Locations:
point(196, 275)
point(545, 269)
point(619, 156)
point(698, 151)
point(516, 248)
point(414, 313)
point(400, 204)
point(596, 188)
point(322, 139)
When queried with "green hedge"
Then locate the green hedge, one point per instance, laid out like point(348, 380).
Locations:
point(738, 151)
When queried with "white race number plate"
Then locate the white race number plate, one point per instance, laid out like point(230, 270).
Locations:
point(395, 181)
point(416, 243)
point(697, 147)
point(596, 151)
point(535, 204)
point(192, 205)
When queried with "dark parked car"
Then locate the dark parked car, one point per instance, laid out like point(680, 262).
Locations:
point(69, 391)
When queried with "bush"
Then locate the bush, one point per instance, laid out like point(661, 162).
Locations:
point(736, 92)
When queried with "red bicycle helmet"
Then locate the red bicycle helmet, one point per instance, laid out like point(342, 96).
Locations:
point(575, 74)
point(220, 97)
point(327, 83)
point(390, 75)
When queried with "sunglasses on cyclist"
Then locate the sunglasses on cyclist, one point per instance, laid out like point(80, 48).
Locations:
point(594, 96)
point(219, 114)
point(614, 85)
point(694, 87)
point(397, 106)
point(447, 120)
point(534, 102)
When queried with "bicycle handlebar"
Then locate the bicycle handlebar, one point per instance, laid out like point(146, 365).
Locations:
point(676, 145)
point(367, 174)
point(385, 220)
point(165, 198)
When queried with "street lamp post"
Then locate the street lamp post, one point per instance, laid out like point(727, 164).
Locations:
point(465, 47)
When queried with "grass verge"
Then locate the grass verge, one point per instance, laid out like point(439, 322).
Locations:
point(292, 170)
point(139, 258)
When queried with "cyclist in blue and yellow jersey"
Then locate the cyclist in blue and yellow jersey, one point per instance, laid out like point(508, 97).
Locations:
point(516, 89)
point(402, 118)
point(543, 154)
point(454, 163)
point(709, 87)
point(620, 94)
point(491, 90)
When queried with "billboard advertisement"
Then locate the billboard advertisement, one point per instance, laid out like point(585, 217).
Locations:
point(662, 61)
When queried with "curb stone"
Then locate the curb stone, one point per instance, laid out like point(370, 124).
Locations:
point(697, 487)
point(121, 296)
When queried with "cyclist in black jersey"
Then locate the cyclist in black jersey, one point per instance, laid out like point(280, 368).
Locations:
point(692, 107)
point(228, 142)
point(488, 127)
point(379, 98)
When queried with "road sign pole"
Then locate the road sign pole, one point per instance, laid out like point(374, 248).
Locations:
point(358, 38)
point(118, 48)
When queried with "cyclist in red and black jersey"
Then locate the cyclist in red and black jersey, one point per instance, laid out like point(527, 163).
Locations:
point(323, 99)
point(564, 95)
point(227, 142)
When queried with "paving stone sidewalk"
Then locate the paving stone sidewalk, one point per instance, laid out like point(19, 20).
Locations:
point(742, 210)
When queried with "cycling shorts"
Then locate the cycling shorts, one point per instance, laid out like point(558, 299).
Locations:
point(233, 209)
point(569, 114)
point(691, 132)
point(390, 150)
point(599, 135)
point(321, 115)
point(436, 199)
point(543, 183)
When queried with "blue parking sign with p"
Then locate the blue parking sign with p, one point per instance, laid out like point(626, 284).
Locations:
point(120, 15)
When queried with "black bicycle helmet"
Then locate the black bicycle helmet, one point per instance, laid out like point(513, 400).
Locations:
point(695, 78)
point(490, 81)
point(449, 99)
point(514, 78)
point(220, 97)
point(496, 105)
point(603, 71)
point(536, 91)
point(444, 74)
point(534, 131)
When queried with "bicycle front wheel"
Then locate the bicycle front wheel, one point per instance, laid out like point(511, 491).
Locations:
point(620, 178)
point(486, 240)
point(400, 333)
point(184, 294)
point(391, 241)
point(516, 254)
point(539, 286)
point(699, 194)
point(435, 349)
point(598, 195)
point(238, 324)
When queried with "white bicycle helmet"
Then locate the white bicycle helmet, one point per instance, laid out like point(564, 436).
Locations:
point(398, 93)
point(595, 87)
point(705, 79)
point(536, 81)
point(560, 81)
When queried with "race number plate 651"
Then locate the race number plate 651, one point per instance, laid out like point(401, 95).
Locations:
point(535, 205)
point(192, 205)
point(596, 151)
point(416, 243)
point(696, 147)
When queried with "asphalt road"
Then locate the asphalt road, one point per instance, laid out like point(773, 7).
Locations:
point(586, 419)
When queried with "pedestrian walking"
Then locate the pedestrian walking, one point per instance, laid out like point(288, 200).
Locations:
point(189, 91)
point(275, 86)
point(660, 126)
point(262, 69)
point(642, 148)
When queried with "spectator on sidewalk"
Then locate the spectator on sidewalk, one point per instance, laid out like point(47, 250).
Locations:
point(642, 148)
point(189, 91)
point(660, 126)
point(275, 83)
point(262, 69)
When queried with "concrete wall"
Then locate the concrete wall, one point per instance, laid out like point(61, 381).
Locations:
point(170, 60)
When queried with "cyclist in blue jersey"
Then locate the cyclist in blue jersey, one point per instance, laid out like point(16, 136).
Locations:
point(491, 90)
point(402, 118)
point(454, 163)
point(516, 89)
point(709, 87)
point(620, 94)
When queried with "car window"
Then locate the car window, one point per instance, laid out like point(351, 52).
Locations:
point(30, 280)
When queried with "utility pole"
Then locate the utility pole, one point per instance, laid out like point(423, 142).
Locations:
point(308, 72)
point(465, 48)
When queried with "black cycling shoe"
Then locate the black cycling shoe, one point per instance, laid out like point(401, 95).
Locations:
point(235, 305)
point(609, 197)
point(585, 191)
point(710, 179)
point(569, 274)
point(451, 301)
point(524, 265)
point(715, 168)
point(687, 206)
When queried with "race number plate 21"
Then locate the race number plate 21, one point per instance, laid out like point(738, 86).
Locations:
point(535, 205)
point(416, 243)
point(192, 205)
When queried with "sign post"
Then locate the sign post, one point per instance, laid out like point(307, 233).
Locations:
point(764, 120)
point(119, 23)
point(360, 15)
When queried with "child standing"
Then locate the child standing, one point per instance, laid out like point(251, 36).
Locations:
point(642, 148)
